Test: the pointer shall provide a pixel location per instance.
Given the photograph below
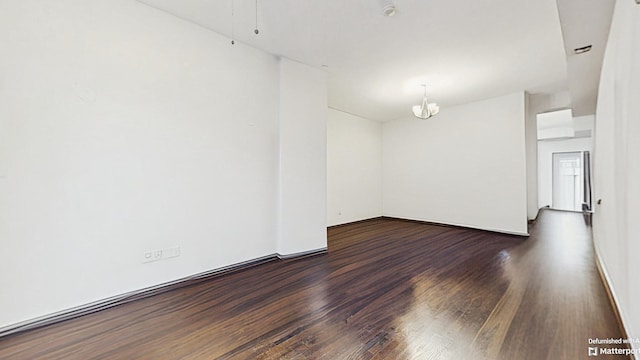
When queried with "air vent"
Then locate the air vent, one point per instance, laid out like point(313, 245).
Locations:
point(584, 49)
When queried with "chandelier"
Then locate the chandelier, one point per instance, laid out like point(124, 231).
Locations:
point(426, 109)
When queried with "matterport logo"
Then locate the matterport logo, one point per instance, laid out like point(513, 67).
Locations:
point(626, 351)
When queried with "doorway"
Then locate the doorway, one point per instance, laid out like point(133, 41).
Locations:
point(568, 181)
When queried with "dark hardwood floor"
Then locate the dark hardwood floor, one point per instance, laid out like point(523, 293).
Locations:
point(387, 289)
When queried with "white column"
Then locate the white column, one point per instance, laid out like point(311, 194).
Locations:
point(303, 165)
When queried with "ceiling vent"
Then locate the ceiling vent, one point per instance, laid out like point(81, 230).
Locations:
point(584, 49)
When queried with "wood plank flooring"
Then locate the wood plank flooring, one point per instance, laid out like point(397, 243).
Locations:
point(387, 289)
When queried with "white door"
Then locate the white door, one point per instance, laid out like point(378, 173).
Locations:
point(567, 181)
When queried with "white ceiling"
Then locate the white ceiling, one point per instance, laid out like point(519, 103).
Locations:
point(464, 51)
point(585, 22)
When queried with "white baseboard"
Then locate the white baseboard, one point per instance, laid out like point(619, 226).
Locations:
point(614, 298)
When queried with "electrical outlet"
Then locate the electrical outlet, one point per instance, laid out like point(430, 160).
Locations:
point(171, 252)
point(160, 254)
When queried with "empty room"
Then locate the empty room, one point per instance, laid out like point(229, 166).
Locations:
point(367, 179)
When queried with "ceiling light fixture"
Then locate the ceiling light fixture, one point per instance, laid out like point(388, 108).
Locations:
point(426, 109)
point(256, 31)
point(388, 9)
point(233, 35)
point(233, 30)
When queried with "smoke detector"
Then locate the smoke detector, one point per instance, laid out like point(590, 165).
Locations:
point(388, 9)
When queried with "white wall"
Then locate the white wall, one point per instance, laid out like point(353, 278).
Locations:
point(531, 152)
point(303, 158)
point(555, 124)
point(466, 166)
point(124, 129)
point(535, 104)
point(546, 148)
point(584, 124)
point(354, 168)
point(616, 167)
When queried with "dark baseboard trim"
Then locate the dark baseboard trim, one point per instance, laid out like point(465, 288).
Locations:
point(122, 299)
point(429, 223)
point(355, 222)
point(304, 254)
point(533, 221)
point(519, 235)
